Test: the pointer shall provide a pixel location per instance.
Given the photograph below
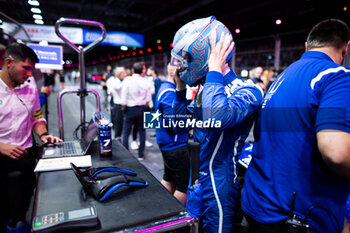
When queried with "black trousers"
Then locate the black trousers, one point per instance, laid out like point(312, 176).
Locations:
point(17, 181)
point(134, 115)
point(117, 120)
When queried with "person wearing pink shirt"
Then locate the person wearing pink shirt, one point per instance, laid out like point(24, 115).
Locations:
point(19, 114)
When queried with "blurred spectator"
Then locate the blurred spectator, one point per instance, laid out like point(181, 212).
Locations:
point(106, 75)
point(75, 76)
point(46, 90)
point(268, 78)
point(135, 99)
point(152, 72)
point(114, 87)
point(62, 80)
point(49, 80)
point(256, 74)
point(134, 145)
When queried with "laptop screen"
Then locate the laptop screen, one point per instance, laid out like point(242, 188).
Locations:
point(90, 134)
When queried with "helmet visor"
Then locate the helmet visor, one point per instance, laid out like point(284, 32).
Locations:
point(178, 61)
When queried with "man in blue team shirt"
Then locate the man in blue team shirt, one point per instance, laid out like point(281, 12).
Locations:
point(303, 141)
point(173, 146)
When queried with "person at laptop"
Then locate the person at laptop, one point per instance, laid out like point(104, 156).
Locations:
point(20, 114)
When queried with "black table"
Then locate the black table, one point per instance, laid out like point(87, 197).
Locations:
point(128, 209)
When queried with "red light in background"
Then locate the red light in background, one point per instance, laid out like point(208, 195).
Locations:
point(159, 47)
point(237, 30)
point(118, 57)
point(133, 53)
point(128, 54)
point(171, 45)
point(123, 56)
point(141, 52)
point(149, 50)
point(110, 58)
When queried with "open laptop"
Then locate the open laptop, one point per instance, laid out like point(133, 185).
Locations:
point(71, 148)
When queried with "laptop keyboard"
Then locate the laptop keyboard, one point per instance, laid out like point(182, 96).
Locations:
point(67, 148)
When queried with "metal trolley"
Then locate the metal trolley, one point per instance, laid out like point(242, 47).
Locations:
point(82, 92)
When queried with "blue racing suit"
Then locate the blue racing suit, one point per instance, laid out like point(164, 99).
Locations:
point(231, 102)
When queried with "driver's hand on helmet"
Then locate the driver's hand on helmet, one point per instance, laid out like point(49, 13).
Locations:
point(219, 51)
point(180, 85)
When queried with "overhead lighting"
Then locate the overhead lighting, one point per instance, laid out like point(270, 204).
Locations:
point(35, 16)
point(124, 48)
point(35, 10)
point(278, 21)
point(345, 8)
point(237, 30)
point(33, 3)
point(38, 21)
point(159, 41)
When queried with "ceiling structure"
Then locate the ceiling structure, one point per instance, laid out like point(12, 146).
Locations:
point(160, 19)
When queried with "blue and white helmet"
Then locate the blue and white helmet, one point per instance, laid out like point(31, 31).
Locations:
point(191, 48)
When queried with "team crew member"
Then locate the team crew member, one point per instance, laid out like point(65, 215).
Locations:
point(20, 114)
point(233, 108)
point(135, 96)
point(302, 139)
point(173, 146)
point(114, 86)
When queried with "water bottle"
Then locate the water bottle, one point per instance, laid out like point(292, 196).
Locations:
point(105, 133)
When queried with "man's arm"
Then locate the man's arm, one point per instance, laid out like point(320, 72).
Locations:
point(346, 226)
point(12, 151)
point(232, 110)
point(41, 130)
point(334, 146)
point(243, 102)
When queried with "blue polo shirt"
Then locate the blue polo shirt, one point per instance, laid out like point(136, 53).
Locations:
point(167, 139)
point(312, 94)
